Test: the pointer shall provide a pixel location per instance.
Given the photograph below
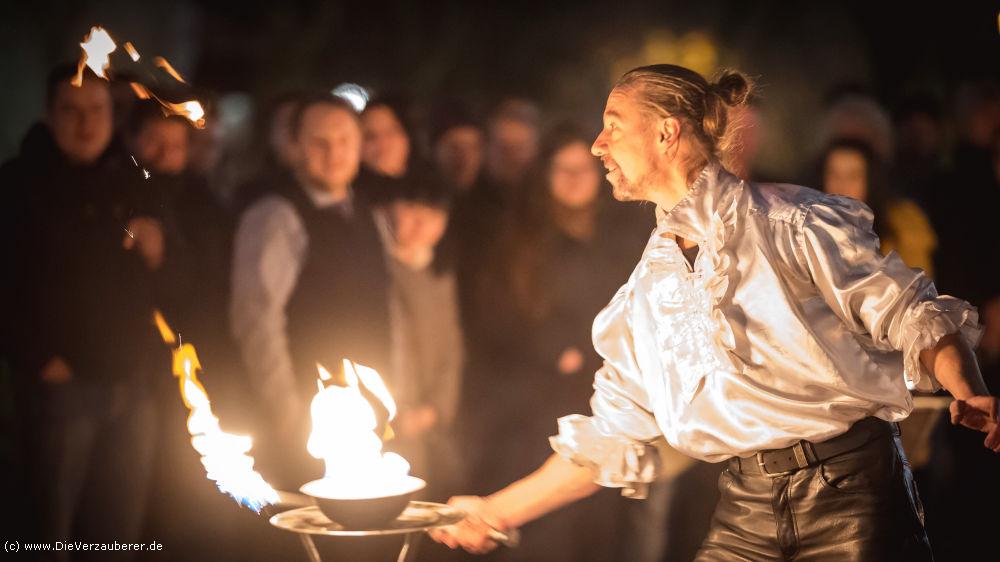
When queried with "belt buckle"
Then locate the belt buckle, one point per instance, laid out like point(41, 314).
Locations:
point(801, 461)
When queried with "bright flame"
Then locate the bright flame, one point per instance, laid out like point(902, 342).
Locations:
point(345, 435)
point(190, 110)
point(97, 48)
point(222, 454)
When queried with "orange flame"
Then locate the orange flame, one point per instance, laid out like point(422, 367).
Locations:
point(162, 63)
point(140, 91)
point(191, 110)
point(222, 454)
point(97, 47)
point(130, 49)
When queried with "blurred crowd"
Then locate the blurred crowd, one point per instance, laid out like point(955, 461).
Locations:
point(462, 253)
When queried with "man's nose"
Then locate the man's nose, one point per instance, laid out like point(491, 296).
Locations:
point(598, 148)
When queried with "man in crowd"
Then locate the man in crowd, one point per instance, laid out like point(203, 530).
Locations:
point(193, 296)
point(309, 280)
point(457, 146)
point(87, 249)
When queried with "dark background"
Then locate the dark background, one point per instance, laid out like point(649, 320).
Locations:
point(564, 55)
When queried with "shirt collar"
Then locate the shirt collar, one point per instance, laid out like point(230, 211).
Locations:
point(325, 200)
point(693, 217)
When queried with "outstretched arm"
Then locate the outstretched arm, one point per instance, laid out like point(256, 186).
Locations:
point(898, 307)
point(954, 366)
point(556, 483)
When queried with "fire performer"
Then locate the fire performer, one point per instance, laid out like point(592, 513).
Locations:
point(761, 327)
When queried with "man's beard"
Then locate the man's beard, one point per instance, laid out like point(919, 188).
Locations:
point(625, 190)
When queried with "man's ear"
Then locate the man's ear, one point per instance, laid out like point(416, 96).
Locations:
point(668, 134)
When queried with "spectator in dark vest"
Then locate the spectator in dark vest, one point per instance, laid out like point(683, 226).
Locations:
point(309, 282)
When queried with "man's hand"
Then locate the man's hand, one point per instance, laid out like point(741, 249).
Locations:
point(473, 532)
point(954, 364)
point(56, 371)
point(981, 413)
point(146, 234)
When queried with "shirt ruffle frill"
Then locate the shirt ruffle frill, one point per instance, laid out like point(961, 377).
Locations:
point(925, 325)
point(693, 335)
point(617, 462)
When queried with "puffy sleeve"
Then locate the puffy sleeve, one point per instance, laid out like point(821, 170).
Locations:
point(269, 251)
point(621, 441)
point(898, 307)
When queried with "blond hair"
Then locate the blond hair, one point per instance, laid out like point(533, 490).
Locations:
point(701, 106)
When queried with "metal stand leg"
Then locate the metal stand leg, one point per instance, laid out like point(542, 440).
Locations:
point(409, 550)
point(310, 547)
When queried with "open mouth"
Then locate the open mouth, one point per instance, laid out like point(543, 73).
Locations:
point(613, 172)
point(611, 167)
point(609, 164)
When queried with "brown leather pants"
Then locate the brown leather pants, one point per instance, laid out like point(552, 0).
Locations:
point(859, 505)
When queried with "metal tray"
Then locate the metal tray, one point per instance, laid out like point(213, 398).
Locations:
point(418, 516)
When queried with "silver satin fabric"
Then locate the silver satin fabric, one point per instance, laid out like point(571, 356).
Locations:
point(790, 325)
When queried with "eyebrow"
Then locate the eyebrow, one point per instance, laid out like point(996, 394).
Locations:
point(612, 114)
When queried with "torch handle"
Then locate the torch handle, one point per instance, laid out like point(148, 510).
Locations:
point(510, 539)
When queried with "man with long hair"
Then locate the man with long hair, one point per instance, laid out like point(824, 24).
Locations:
point(762, 327)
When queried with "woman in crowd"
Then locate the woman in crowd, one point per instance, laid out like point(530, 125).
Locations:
point(388, 147)
point(568, 246)
point(427, 347)
point(850, 167)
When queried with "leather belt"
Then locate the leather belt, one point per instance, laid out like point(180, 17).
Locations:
point(781, 462)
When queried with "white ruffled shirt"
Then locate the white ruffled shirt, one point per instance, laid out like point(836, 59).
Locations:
point(790, 325)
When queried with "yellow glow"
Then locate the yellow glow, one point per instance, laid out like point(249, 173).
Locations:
point(695, 50)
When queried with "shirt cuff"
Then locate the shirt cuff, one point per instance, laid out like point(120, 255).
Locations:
point(617, 462)
point(928, 322)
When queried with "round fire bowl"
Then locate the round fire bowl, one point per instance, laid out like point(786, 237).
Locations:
point(363, 513)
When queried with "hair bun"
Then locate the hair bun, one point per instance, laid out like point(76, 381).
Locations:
point(733, 87)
